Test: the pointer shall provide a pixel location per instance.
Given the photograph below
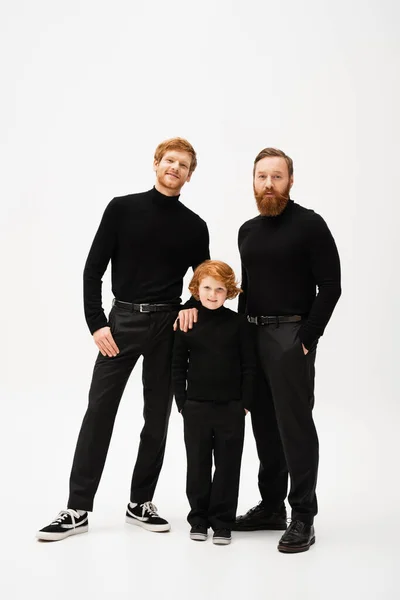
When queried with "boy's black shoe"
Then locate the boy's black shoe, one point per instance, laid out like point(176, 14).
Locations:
point(222, 537)
point(256, 518)
point(145, 515)
point(68, 522)
point(199, 533)
point(297, 538)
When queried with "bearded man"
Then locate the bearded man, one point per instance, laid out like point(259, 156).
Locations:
point(287, 252)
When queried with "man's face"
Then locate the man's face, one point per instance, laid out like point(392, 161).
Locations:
point(212, 293)
point(272, 185)
point(172, 172)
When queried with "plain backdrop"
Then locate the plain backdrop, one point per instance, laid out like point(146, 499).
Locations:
point(88, 90)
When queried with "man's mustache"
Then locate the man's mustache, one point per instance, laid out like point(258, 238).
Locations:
point(273, 194)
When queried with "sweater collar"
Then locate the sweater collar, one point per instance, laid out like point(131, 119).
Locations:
point(210, 313)
point(162, 200)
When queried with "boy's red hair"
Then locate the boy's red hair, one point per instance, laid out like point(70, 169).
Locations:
point(219, 271)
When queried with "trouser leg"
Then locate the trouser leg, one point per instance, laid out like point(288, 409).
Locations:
point(290, 374)
point(198, 433)
point(110, 376)
point(228, 427)
point(157, 392)
point(273, 473)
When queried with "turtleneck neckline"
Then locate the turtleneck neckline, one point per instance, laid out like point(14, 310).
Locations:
point(211, 312)
point(162, 200)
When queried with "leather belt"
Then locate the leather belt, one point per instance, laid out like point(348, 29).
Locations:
point(145, 308)
point(274, 320)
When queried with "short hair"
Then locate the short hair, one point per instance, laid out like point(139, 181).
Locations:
point(219, 271)
point(273, 152)
point(176, 143)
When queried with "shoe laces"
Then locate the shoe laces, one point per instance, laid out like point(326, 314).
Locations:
point(150, 508)
point(64, 514)
point(296, 526)
point(255, 508)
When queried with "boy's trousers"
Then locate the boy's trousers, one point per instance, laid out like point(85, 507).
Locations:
point(218, 428)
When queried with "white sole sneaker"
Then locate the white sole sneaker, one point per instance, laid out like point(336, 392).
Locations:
point(198, 537)
point(148, 526)
point(221, 541)
point(55, 537)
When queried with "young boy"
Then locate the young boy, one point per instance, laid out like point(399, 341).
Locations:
point(213, 370)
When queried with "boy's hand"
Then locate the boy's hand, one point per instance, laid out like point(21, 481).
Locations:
point(186, 318)
point(305, 349)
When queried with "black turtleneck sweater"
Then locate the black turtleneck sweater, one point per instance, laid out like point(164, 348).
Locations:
point(215, 361)
point(284, 260)
point(151, 240)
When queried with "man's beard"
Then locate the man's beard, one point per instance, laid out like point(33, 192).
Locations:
point(272, 206)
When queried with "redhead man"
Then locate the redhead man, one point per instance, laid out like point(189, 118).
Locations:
point(151, 239)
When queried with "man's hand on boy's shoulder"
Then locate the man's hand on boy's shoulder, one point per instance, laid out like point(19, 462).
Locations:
point(246, 411)
point(186, 318)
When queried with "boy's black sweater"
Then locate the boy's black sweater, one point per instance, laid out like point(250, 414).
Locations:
point(215, 361)
point(151, 240)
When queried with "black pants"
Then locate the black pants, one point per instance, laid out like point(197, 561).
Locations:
point(282, 421)
point(136, 334)
point(219, 428)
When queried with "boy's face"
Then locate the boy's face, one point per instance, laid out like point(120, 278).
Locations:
point(212, 293)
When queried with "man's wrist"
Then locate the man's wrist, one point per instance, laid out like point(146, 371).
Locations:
point(306, 337)
point(98, 324)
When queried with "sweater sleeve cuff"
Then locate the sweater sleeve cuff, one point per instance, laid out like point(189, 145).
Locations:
point(191, 303)
point(307, 337)
point(97, 323)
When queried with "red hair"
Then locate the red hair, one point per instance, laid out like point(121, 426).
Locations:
point(176, 143)
point(219, 271)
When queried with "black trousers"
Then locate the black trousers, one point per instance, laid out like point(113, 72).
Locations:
point(136, 334)
point(217, 428)
point(282, 421)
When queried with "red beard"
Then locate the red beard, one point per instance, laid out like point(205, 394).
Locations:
point(272, 206)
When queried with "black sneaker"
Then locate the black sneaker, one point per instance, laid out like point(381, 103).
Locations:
point(298, 537)
point(145, 515)
point(258, 519)
point(199, 533)
point(68, 522)
point(222, 537)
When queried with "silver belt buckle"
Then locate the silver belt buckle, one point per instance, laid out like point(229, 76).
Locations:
point(253, 320)
point(141, 308)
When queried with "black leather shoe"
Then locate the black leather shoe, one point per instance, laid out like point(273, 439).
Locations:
point(257, 519)
point(297, 538)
